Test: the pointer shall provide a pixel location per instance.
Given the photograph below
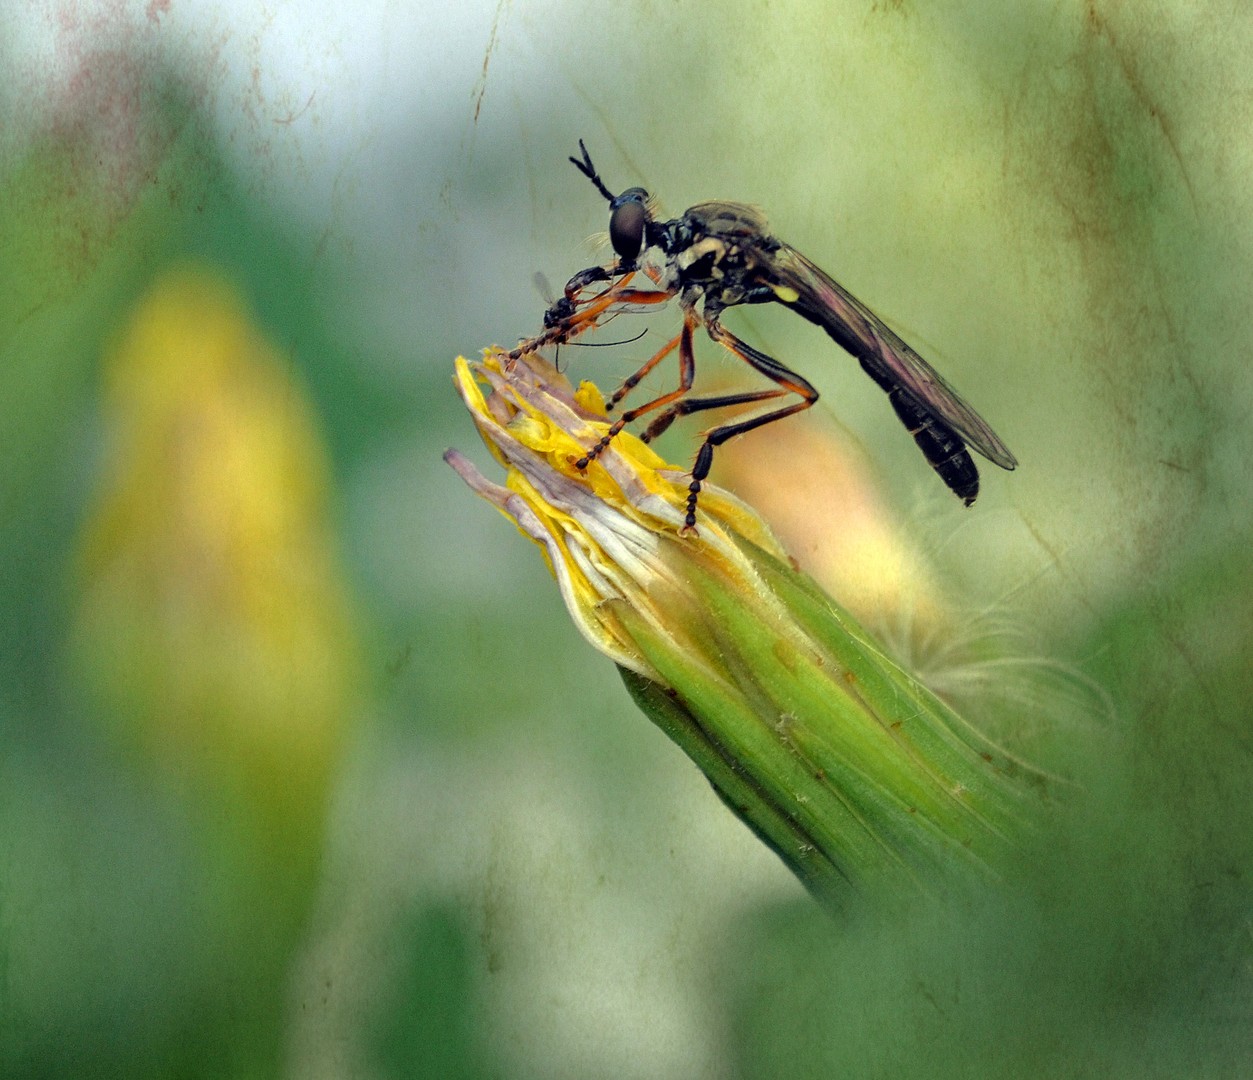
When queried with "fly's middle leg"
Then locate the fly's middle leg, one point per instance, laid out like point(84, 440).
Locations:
point(631, 381)
point(687, 374)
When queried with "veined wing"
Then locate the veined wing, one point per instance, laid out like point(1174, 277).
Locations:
point(824, 301)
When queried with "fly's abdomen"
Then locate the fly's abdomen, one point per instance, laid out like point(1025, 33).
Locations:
point(945, 452)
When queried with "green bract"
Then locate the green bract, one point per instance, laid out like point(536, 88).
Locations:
point(843, 763)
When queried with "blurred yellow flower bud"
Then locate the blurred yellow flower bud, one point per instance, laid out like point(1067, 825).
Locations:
point(213, 622)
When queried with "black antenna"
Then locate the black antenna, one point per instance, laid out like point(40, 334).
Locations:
point(589, 170)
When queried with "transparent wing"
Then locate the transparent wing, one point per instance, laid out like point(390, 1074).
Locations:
point(824, 301)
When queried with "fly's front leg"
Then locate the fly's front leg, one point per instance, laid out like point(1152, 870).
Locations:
point(565, 319)
point(788, 383)
point(613, 301)
point(569, 316)
point(641, 296)
point(565, 308)
point(687, 373)
point(562, 309)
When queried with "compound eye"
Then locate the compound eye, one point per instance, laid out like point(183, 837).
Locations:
point(626, 227)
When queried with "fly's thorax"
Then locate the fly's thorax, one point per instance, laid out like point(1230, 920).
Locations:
point(720, 266)
point(702, 260)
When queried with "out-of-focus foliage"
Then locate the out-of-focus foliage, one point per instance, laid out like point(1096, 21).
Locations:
point(181, 660)
point(212, 637)
point(1121, 950)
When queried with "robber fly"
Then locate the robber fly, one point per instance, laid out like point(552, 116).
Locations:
point(719, 255)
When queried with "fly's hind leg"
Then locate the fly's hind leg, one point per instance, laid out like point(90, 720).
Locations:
point(788, 383)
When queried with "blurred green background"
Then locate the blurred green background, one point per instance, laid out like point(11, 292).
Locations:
point(303, 770)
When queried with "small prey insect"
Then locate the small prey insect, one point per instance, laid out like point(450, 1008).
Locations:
point(718, 255)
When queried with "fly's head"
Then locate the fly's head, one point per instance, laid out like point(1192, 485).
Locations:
point(631, 225)
point(629, 218)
